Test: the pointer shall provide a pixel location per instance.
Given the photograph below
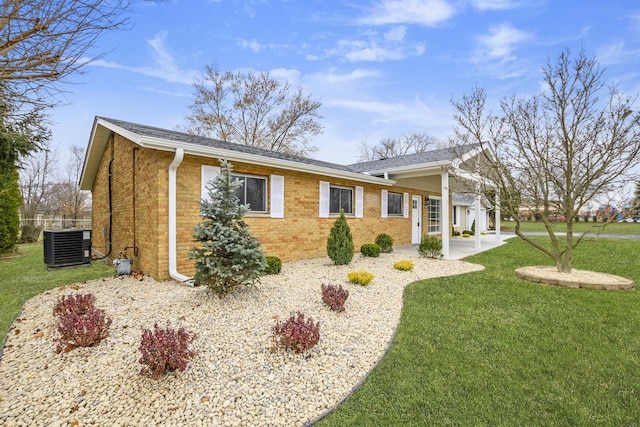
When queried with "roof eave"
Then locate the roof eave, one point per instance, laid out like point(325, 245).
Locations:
point(97, 143)
point(238, 156)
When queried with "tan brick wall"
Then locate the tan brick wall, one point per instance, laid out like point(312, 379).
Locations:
point(300, 234)
point(147, 230)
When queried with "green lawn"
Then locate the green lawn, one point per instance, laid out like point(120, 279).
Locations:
point(489, 349)
point(578, 227)
point(26, 275)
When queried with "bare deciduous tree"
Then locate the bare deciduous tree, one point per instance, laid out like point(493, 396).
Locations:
point(408, 143)
point(556, 150)
point(36, 173)
point(255, 110)
point(42, 42)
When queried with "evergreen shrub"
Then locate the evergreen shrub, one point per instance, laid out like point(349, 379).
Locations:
point(340, 242)
point(228, 256)
point(273, 265)
point(385, 242)
point(370, 250)
point(430, 247)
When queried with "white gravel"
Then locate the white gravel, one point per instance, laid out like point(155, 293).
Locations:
point(235, 379)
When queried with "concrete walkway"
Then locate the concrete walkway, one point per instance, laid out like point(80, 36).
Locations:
point(462, 247)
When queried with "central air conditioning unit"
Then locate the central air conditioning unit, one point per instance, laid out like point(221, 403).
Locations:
point(67, 248)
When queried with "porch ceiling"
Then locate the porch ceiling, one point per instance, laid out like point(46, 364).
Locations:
point(430, 183)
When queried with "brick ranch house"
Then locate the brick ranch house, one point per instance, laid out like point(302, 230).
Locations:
point(147, 182)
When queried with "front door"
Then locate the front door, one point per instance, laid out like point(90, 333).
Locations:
point(416, 219)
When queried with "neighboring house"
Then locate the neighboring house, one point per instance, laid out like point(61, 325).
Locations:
point(463, 212)
point(147, 182)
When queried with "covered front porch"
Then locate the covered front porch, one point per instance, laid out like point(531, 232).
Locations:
point(460, 247)
point(436, 173)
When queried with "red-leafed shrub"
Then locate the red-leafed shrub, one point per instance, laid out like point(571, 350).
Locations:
point(334, 296)
point(82, 330)
point(77, 304)
point(164, 350)
point(296, 333)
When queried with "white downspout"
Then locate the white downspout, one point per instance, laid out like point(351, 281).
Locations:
point(497, 221)
point(173, 264)
point(444, 220)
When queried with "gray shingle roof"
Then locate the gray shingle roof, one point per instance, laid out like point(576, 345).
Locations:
point(433, 156)
point(468, 199)
point(171, 135)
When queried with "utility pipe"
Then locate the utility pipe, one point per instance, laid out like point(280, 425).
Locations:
point(173, 264)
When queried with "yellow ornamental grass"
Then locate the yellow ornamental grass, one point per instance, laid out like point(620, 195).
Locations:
point(361, 277)
point(403, 265)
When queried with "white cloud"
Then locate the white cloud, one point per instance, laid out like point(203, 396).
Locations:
point(396, 34)
point(422, 12)
point(616, 53)
point(371, 50)
point(252, 45)
point(285, 74)
point(164, 66)
point(333, 78)
point(417, 114)
point(496, 4)
point(500, 43)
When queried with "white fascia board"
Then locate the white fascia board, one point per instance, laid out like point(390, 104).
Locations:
point(471, 153)
point(232, 155)
point(97, 142)
point(423, 169)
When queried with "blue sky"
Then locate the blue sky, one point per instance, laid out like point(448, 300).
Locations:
point(380, 68)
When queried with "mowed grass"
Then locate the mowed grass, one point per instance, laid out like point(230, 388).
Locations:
point(578, 227)
point(24, 275)
point(487, 349)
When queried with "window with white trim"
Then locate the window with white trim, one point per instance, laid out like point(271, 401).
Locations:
point(252, 192)
point(394, 204)
point(434, 211)
point(340, 198)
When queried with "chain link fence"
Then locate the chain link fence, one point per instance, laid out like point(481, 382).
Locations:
point(56, 223)
point(31, 228)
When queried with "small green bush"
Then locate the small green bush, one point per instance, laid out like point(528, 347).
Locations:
point(454, 232)
point(361, 277)
point(385, 242)
point(466, 235)
point(370, 250)
point(273, 266)
point(430, 247)
point(468, 232)
point(403, 265)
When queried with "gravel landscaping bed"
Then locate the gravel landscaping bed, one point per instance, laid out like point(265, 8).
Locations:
point(235, 379)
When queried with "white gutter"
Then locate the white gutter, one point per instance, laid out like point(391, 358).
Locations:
point(173, 264)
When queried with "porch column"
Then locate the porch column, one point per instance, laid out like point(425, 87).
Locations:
point(496, 209)
point(477, 229)
point(446, 227)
